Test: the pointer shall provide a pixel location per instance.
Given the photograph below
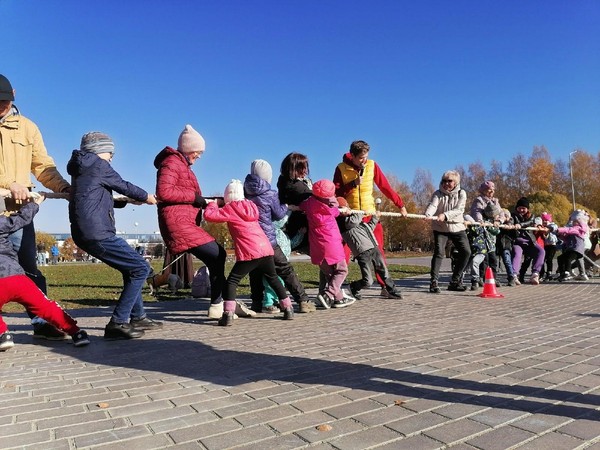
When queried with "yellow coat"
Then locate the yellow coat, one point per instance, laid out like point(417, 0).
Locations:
point(22, 153)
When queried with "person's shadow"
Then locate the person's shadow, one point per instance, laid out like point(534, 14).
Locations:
point(199, 361)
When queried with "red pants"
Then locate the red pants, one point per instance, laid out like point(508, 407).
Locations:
point(378, 232)
point(20, 289)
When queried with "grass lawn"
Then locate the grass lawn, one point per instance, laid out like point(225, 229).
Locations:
point(84, 285)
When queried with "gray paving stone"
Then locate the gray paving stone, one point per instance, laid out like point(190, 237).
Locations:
point(245, 435)
point(582, 429)
point(501, 438)
point(418, 442)
point(83, 428)
point(456, 431)
point(338, 428)
point(552, 440)
point(367, 438)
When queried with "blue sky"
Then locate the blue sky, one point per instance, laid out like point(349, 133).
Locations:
point(429, 84)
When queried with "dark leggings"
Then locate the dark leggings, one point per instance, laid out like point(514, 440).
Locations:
point(265, 266)
point(213, 256)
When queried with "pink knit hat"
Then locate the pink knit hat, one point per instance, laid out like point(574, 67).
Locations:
point(190, 141)
point(324, 189)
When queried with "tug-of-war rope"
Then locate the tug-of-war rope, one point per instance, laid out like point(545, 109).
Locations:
point(121, 198)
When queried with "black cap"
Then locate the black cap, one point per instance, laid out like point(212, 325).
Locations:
point(523, 201)
point(6, 90)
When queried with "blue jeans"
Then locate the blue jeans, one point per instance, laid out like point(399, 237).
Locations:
point(23, 241)
point(116, 253)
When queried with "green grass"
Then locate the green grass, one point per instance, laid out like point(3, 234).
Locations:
point(85, 285)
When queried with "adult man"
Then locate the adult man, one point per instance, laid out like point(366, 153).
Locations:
point(22, 153)
point(354, 179)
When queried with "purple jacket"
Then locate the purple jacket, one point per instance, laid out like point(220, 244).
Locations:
point(259, 192)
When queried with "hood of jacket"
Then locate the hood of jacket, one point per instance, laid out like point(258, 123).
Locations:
point(81, 162)
point(255, 186)
point(347, 159)
point(168, 151)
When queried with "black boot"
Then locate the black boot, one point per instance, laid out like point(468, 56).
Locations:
point(115, 330)
point(433, 287)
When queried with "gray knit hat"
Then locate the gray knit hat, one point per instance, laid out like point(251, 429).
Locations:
point(96, 142)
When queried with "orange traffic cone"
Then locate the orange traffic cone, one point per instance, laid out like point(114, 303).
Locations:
point(489, 286)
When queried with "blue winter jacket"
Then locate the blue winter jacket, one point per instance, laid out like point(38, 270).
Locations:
point(93, 181)
point(266, 199)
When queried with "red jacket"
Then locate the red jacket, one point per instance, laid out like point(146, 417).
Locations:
point(176, 189)
point(241, 216)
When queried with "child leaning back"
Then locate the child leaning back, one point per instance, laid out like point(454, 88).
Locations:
point(359, 237)
point(325, 240)
point(253, 251)
point(15, 286)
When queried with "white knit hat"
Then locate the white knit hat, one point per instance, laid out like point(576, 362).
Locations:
point(234, 191)
point(190, 141)
point(263, 169)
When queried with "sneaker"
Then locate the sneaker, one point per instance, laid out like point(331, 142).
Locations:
point(582, 277)
point(458, 287)
point(48, 331)
point(356, 292)
point(80, 339)
point(242, 310)
point(307, 307)
point(394, 294)
point(146, 324)
point(215, 310)
point(115, 330)
point(433, 287)
point(226, 319)
point(323, 301)
point(474, 286)
point(288, 314)
point(517, 281)
point(273, 309)
point(512, 281)
point(384, 293)
point(348, 296)
point(346, 301)
point(6, 341)
point(534, 278)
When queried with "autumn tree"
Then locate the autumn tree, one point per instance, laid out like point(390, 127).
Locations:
point(541, 170)
point(44, 240)
point(472, 179)
point(561, 179)
point(517, 182)
point(69, 250)
point(422, 187)
point(585, 179)
point(408, 232)
point(220, 232)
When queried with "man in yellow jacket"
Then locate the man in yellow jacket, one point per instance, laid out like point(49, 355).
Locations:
point(22, 154)
point(355, 178)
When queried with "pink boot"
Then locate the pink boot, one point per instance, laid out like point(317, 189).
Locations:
point(287, 308)
point(228, 311)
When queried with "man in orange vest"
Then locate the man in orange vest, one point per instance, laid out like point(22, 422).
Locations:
point(354, 179)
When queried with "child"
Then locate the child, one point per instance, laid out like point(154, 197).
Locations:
point(526, 243)
point(550, 244)
point(359, 237)
point(504, 245)
point(573, 236)
point(286, 243)
point(483, 243)
point(15, 286)
point(91, 213)
point(325, 240)
point(257, 189)
point(253, 250)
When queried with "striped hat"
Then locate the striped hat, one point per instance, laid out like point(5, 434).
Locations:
point(96, 142)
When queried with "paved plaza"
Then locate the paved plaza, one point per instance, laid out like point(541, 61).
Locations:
point(428, 372)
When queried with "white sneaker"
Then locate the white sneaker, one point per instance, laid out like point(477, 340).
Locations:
point(242, 310)
point(534, 279)
point(215, 311)
point(582, 277)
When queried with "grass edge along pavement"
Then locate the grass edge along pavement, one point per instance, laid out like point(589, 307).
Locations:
point(86, 285)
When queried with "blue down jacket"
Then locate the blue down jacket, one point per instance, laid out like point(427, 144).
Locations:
point(266, 199)
point(93, 181)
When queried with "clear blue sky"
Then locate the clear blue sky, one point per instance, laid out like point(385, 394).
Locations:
point(429, 84)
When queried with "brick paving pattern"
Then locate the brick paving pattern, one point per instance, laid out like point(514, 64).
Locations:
point(428, 372)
